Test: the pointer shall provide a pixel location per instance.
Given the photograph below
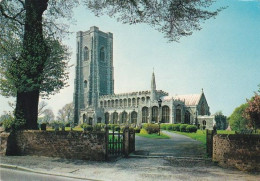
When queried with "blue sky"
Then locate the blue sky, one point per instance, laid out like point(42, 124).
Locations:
point(223, 58)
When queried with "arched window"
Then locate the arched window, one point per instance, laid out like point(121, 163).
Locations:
point(204, 124)
point(99, 120)
point(116, 103)
point(145, 115)
point(178, 115)
point(155, 114)
point(102, 54)
point(106, 118)
point(165, 114)
point(101, 103)
point(138, 101)
point(85, 83)
point(84, 118)
point(115, 118)
point(112, 103)
point(108, 103)
point(86, 54)
point(120, 103)
point(124, 117)
point(187, 117)
point(105, 103)
point(133, 117)
point(90, 121)
point(125, 102)
point(133, 102)
point(129, 102)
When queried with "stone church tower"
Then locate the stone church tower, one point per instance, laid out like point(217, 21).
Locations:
point(94, 69)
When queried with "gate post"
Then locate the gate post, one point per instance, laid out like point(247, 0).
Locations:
point(126, 141)
point(106, 141)
point(209, 141)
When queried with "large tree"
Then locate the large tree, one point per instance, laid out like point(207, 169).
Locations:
point(237, 121)
point(29, 28)
point(66, 113)
point(252, 112)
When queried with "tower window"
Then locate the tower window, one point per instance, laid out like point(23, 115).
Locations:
point(85, 84)
point(102, 54)
point(86, 54)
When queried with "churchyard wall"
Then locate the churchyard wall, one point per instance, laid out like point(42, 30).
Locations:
point(239, 150)
point(62, 144)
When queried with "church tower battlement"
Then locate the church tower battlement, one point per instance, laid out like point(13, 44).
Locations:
point(94, 69)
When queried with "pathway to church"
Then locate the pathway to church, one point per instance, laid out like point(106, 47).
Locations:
point(177, 146)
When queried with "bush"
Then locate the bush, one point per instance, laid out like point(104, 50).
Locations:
point(117, 128)
point(177, 127)
point(143, 131)
point(191, 129)
point(137, 130)
point(170, 127)
point(87, 127)
point(183, 127)
point(10, 123)
point(164, 126)
point(152, 128)
point(67, 124)
point(97, 127)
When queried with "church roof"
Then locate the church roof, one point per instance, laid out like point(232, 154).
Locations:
point(190, 99)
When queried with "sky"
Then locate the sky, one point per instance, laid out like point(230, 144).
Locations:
point(223, 58)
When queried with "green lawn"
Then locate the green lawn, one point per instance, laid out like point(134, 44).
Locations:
point(225, 132)
point(200, 135)
point(153, 136)
point(67, 129)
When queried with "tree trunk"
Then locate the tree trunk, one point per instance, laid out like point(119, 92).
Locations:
point(34, 55)
point(27, 108)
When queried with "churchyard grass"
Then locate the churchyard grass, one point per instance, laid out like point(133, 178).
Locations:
point(225, 132)
point(200, 135)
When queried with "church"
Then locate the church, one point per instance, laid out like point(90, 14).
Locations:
point(95, 101)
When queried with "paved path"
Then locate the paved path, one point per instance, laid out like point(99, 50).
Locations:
point(177, 146)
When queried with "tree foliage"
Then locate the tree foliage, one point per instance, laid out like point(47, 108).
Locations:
point(252, 112)
point(48, 116)
point(173, 18)
point(236, 121)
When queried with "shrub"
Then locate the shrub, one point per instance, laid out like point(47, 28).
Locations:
point(97, 127)
point(67, 124)
point(177, 127)
point(144, 126)
point(191, 129)
point(87, 127)
point(164, 126)
point(152, 128)
point(170, 127)
point(10, 123)
point(183, 127)
point(117, 128)
point(137, 130)
point(143, 131)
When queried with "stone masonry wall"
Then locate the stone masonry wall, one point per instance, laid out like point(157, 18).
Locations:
point(72, 145)
point(239, 151)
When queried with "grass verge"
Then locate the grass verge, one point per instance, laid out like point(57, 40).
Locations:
point(200, 135)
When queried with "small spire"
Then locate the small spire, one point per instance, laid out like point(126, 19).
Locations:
point(202, 90)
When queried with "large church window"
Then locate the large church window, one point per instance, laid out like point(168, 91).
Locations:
point(99, 120)
point(165, 114)
point(155, 114)
point(106, 118)
point(178, 115)
point(133, 117)
point(202, 109)
point(145, 115)
point(124, 117)
point(115, 118)
point(86, 54)
point(102, 54)
point(187, 117)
